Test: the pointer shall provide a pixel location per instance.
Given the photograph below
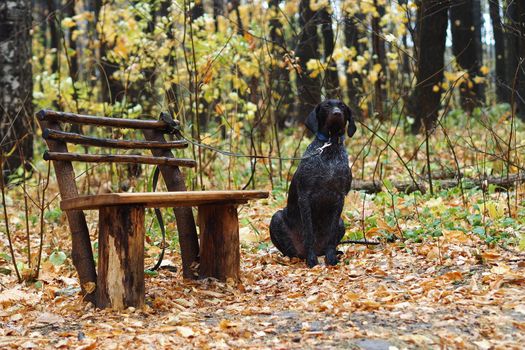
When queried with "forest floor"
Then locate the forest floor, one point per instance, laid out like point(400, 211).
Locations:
point(451, 292)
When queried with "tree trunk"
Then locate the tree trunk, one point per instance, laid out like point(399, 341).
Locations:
point(218, 11)
point(515, 45)
point(279, 74)
point(520, 87)
point(465, 18)
point(308, 88)
point(424, 102)
point(499, 43)
point(16, 84)
point(331, 79)
point(172, 92)
point(69, 11)
point(379, 58)
point(120, 280)
point(354, 81)
point(142, 92)
point(233, 6)
point(112, 89)
point(54, 42)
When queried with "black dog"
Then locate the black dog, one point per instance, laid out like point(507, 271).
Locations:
point(311, 224)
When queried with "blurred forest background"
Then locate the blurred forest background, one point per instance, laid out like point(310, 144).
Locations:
point(437, 88)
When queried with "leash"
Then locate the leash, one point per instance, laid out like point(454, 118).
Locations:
point(160, 220)
point(174, 128)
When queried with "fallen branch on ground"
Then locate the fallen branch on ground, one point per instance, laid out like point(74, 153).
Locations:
point(353, 241)
point(409, 186)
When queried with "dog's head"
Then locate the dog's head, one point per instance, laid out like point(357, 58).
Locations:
point(330, 118)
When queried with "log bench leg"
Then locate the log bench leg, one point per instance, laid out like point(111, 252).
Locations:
point(120, 280)
point(219, 242)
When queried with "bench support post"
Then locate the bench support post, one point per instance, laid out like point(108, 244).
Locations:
point(219, 248)
point(189, 244)
point(81, 252)
point(120, 282)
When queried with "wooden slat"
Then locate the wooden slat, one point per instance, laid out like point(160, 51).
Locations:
point(112, 143)
point(118, 158)
point(161, 199)
point(65, 117)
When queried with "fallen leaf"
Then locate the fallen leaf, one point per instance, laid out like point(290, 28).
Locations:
point(49, 318)
point(184, 331)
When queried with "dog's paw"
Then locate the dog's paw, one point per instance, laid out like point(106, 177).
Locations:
point(311, 260)
point(331, 259)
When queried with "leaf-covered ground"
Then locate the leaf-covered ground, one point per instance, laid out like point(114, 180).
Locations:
point(453, 291)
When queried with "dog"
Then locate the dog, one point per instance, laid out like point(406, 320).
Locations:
point(311, 224)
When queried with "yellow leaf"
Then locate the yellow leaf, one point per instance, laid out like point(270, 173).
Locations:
point(185, 332)
point(120, 47)
point(68, 22)
point(479, 80)
point(500, 269)
point(455, 236)
point(224, 324)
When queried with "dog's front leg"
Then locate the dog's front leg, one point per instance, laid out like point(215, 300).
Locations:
point(308, 233)
point(337, 231)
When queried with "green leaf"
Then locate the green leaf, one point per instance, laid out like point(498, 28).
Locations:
point(57, 258)
point(388, 185)
point(522, 242)
point(5, 271)
point(5, 256)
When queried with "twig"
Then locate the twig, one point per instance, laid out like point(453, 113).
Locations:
point(42, 208)
point(6, 218)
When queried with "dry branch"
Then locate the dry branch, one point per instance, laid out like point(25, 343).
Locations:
point(409, 186)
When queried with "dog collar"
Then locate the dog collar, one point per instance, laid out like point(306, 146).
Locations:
point(324, 138)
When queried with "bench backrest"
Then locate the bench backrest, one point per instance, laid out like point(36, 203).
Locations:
point(153, 130)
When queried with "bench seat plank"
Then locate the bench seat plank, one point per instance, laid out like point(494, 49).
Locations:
point(161, 199)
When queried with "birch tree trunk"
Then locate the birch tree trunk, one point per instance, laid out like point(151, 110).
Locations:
point(16, 85)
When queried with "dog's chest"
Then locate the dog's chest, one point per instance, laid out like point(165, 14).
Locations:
point(330, 174)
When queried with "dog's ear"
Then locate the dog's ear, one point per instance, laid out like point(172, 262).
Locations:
point(351, 129)
point(312, 122)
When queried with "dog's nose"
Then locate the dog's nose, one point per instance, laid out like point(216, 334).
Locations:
point(337, 112)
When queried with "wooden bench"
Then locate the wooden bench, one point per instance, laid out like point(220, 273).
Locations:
point(119, 281)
